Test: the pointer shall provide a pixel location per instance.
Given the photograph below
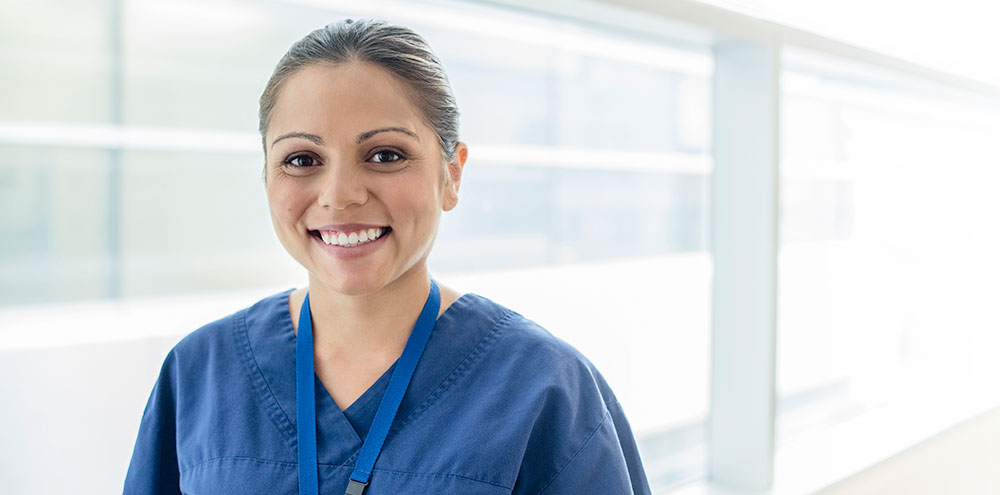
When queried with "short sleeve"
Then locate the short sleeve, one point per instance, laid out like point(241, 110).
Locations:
point(580, 440)
point(607, 463)
point(637, 474)
point(154, 468)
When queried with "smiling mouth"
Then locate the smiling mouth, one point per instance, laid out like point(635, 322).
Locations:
point(350, 239)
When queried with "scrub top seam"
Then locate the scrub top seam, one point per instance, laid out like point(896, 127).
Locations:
point(274, 409)
point(269, 461)
point(441, 475)
point(206, 462)
point(237, 458)
point(607, 415)
point(478, 351)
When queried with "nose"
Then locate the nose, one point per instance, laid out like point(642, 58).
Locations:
point(343, 186)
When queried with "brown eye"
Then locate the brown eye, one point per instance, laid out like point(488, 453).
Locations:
point(386, 156)
point(300, 161)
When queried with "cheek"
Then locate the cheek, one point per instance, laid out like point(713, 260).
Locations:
point(285, 204)
point(419, 199)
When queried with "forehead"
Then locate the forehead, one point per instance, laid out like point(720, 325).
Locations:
point(343, 100)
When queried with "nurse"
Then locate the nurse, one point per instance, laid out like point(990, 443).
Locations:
point(375, 378)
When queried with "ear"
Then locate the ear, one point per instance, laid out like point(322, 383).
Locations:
point(454, 169)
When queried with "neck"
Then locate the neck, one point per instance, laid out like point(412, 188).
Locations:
point(378, 323)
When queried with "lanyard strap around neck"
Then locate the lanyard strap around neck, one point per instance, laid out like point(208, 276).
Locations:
point(305, 398)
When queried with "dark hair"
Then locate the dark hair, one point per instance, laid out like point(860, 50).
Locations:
point(401, 51)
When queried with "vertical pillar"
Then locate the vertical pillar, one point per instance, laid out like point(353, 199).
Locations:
point(744, 245)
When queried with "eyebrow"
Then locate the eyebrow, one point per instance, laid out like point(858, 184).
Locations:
point(368, 134)
point(361, 137)
point(304, 135)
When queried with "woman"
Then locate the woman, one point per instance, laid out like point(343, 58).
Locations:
point(401, 385)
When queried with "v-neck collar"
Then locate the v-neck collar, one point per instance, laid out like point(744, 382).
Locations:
point(269, 341)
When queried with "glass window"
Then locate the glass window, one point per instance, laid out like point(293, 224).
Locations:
point(54, 242)
point(584, 202)
point(73, 43)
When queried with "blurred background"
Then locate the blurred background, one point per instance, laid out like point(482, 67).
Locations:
point(786, 206)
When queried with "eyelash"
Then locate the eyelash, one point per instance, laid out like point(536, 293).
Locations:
point(399, 157)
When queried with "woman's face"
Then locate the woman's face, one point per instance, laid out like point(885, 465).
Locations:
point(349, 159)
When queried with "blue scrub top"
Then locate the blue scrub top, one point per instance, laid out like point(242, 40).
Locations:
point(497, 405)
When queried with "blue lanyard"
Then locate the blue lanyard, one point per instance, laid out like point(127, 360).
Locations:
point(305, 398)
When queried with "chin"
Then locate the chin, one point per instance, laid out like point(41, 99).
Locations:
point(352, 284)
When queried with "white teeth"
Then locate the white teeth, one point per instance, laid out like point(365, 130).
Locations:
point(351, 239)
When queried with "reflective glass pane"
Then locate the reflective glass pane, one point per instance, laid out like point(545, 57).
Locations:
point(130, 171)
point(57, 58)
point(54, 231)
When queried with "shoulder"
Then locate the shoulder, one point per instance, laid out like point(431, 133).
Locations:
point(514, 327)
point(222, 336)
point(211, 358)
point(557, 409)
point(537, 359)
